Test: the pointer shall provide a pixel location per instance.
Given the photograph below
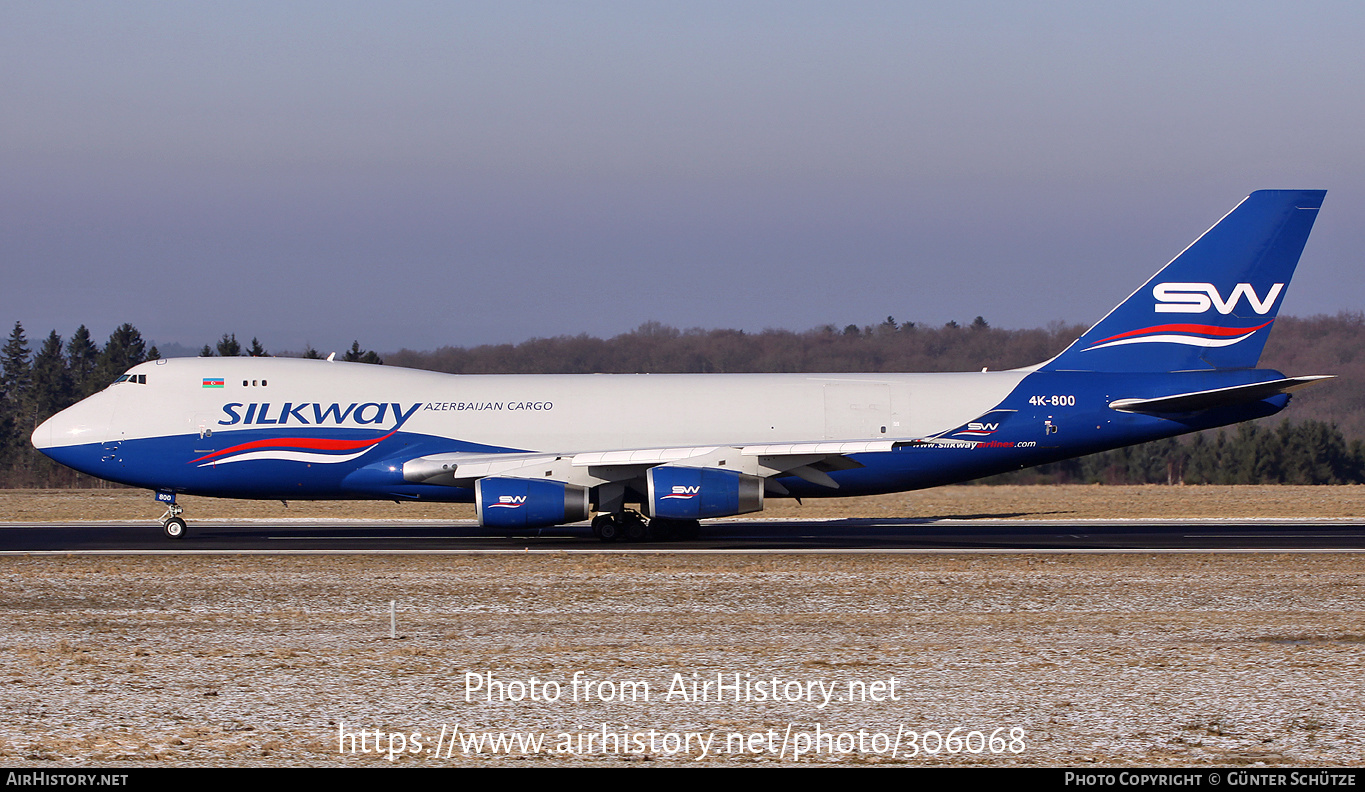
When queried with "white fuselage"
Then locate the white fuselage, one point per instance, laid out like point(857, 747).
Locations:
point(596, 412)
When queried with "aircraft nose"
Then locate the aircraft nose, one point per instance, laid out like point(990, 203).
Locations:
point(42, 436)
point(82, 423)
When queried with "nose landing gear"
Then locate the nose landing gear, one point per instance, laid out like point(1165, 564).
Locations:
point(171, 522)
point(174, 527)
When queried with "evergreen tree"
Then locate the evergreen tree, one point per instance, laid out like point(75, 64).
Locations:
point(15, 378)
point(257, 350)
point(10, 440)
point(1315, 453)
point(358, 355)
point(82, 355)
point(1202, 459)
point(53, 388)
point(16, 375)
point(228, 346)
point(124, 350)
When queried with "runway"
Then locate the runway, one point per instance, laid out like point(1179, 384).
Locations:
point(737, 536)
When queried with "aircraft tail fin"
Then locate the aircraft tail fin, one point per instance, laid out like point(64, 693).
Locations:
point(1212, 307)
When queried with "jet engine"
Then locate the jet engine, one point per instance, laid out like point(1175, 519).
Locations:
point(688, 493)
point(504, 502)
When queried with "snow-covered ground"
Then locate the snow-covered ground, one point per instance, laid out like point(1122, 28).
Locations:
point(1178, 659)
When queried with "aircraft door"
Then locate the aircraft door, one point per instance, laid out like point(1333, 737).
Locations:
point(857, 411)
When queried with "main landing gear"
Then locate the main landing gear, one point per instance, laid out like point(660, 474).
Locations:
point(171, 522)
point(618, 526)
point(631, 526)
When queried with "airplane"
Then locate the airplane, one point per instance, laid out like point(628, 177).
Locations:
point(653, 454)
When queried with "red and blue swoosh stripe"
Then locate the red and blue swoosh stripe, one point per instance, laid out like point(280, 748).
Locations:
point(293, 449)
point(1189, 334)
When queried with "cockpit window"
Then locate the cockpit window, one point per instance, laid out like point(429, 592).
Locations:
point(139, 379)
point(124, 378)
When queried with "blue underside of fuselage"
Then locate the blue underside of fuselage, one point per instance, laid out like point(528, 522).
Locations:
point(203, 466)
point(1028, 428)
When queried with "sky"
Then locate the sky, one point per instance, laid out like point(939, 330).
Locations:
point(416, 175)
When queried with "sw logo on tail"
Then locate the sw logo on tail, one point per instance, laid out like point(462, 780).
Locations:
point(1200, 297)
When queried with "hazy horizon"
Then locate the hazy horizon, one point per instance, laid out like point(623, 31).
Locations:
point(427, 174)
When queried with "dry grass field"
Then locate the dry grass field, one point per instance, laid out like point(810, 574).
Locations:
point(1055, 502)
point(1066, 659)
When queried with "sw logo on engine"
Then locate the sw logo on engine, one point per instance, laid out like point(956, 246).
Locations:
point(1200, 297)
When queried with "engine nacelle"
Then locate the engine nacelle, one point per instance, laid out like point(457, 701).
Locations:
point(504, 502)
point(689, 493)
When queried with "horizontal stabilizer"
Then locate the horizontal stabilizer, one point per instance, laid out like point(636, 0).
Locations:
point(1218, 397)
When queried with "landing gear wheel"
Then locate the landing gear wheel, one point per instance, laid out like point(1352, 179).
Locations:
point(604, 526)
point(637, 530)
point(663, 530)
point(174, 527)
point(171, 522)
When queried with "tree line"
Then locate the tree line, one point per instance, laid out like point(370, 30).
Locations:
point(659, 349)
point(1324, 446)
point(1307, 452)
point(35, 385)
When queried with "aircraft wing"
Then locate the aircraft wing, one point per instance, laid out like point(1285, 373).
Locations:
point(808, 460)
